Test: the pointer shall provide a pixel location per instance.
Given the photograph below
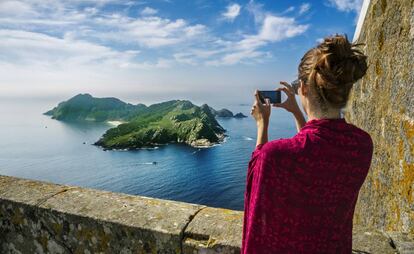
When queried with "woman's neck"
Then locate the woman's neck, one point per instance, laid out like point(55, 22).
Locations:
point(319, 114)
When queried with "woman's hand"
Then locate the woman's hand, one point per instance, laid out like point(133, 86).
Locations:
point(260, 111)
point(290, 104)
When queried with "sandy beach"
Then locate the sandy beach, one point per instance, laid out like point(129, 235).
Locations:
point(115, 123)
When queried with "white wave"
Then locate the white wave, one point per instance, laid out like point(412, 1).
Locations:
point(147, 163)
point(149, 148)
point(119, 150)
point(198, 150)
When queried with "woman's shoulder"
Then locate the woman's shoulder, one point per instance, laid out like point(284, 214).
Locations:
point(367, 143)
point(338, 129)
point(362, 135)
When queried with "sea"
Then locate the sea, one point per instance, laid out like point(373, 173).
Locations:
point(34, 146)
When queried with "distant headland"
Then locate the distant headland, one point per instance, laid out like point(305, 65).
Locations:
point(140, 126)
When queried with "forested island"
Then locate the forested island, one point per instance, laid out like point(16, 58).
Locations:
point(226, 113)
point(174, 121)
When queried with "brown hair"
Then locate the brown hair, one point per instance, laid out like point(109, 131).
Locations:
point(332, 67)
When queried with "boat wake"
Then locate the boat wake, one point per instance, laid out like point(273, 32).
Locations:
point(147, 163)
point(150, 148)
point(196, 151)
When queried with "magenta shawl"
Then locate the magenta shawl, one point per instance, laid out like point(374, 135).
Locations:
point(301, 191)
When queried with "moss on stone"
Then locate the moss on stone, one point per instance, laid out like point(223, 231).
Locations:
point(384, 108)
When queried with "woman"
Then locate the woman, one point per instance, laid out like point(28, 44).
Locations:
point(301, 191)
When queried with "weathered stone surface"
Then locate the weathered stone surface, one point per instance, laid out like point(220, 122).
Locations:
point(135, 211)
point(371, 241)
point(402, 242)
point(27, 191)
point(214, 230)
point(157, 223)
point(37, 217)
point(382, 103)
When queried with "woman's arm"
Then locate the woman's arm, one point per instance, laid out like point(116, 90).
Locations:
point(261, 113)
point(262, 135)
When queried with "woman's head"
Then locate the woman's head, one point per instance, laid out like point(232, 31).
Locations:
point(327, 73)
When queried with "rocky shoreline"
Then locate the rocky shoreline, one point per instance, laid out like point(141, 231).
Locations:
point(199, 143)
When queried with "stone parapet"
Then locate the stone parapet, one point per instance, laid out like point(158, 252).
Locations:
point(40, 217)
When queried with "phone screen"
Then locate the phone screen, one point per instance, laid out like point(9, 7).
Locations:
point(274, 96)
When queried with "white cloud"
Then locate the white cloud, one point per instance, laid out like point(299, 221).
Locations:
point(32, 62)
point(150, 32)
point(273, 29)
point(237, 57)
point(256, 10)
point(70, 32)
point(35, 15)
point(149, 11)
point(92, 23)
point(305, 7)
point(278, 28)
point(30, 48)
point(53, 45)
point(347, 5)
point(290, 9)
point(19, 8)
point(233, 10)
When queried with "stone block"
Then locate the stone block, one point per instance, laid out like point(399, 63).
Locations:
point(214, 230)
point(366, 240)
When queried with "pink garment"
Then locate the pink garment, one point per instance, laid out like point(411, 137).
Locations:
point(301, 191)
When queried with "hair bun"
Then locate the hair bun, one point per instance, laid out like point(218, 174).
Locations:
point(332, 67)
point(340, 62)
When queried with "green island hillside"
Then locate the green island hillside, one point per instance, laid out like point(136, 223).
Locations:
point(84, 107)
point(175, 121)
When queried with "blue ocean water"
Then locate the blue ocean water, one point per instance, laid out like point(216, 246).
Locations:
point(36, 147)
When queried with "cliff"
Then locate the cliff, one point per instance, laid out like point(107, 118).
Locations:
point(382, 103)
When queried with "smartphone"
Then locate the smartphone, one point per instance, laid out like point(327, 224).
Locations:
point(274, 96)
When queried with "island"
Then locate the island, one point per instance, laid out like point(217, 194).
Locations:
point(240, 115)
point(175, 121)
point(84, 107)
point(225, 113)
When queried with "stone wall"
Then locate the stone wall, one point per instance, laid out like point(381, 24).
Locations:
point(382, 103)
point(39, 217)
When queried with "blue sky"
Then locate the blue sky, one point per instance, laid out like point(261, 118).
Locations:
point(160, 49)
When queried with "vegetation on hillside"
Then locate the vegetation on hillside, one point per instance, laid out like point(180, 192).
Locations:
point(85, 107)
point(175, 121)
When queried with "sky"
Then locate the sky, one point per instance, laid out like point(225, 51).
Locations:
point(148, 50)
